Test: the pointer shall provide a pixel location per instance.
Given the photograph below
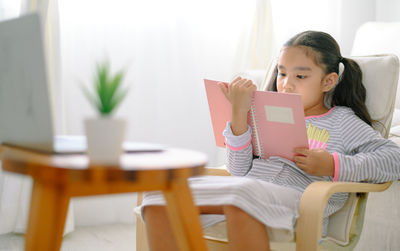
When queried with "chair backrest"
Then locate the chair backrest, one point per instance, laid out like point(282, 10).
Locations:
point(380, 78)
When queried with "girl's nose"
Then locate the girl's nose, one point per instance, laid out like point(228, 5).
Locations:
point(287, 85)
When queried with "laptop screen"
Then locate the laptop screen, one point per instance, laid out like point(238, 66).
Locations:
point(24, 101)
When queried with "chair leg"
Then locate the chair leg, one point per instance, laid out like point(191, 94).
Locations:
point(141, 238)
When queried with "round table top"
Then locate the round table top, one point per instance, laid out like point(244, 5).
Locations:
point(34, 163)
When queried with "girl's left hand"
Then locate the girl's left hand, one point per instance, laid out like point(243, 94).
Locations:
point(317, 162)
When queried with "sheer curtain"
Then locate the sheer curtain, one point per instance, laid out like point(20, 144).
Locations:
point(167, 48)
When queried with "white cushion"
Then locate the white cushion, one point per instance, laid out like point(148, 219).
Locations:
point(395, 139)
point(340, 222)
point(396, 116)
point(395, 131)
point(380, 78)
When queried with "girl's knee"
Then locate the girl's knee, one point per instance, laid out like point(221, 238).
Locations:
point(231, 209)
point(236, 214)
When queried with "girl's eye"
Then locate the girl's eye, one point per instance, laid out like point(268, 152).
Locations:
point(280, 74)
point(301, 76)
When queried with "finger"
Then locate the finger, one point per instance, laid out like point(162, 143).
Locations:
point(302, 166)
point(253, 87)
point(248, 83)
point(302, 151)
point(300, 159)
point(242, 82)
point(236, 79)
point(222, 84)
point(236, 83)
point(224, 88)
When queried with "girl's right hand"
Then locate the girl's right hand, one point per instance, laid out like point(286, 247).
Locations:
point(240, 93)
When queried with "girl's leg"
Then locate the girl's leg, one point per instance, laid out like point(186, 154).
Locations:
point(159, 231)
point(244, 231)
point(158, 228)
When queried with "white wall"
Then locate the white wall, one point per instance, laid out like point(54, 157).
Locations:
point(340, 18)
point(353, 13)
point(387, 10)
point(9, 8)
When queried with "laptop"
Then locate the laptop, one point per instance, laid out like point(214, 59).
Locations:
point(25, 106)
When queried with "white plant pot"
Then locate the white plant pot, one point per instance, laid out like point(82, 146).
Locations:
point(105, 137)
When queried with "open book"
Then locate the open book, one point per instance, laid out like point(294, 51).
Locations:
point(277, 121)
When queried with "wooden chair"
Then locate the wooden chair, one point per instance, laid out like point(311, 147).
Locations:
point(380, 77)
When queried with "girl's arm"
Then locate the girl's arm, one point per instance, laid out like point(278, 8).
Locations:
point(237, 133)
point(240, 94)
point(371, 158)
point(239, 151)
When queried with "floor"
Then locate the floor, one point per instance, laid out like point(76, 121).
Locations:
point(116, 237)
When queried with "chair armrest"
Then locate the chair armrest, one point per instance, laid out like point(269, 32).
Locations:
point(216, 171)
point(312, 206)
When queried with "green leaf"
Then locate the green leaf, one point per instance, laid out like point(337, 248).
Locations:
point(118, 98)
point(108, 94)
point(92, 98)
point(112, 89)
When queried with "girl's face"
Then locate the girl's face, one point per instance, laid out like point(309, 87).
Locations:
point(297, 73)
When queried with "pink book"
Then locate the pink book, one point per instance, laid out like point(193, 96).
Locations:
point(277, 121)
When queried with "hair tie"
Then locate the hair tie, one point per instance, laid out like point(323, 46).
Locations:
point(341, 59)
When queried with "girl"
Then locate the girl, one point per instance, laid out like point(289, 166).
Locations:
point(263, 195)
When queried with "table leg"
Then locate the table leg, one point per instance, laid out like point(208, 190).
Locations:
point(48, 210)
point(184, 217)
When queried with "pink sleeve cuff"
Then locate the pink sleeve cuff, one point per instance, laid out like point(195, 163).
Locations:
point(337, 166)
point(238, 148)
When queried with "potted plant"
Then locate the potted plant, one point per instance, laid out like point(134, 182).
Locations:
point(104, 133)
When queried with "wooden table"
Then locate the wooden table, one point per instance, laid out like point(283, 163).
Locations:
point(56, 178)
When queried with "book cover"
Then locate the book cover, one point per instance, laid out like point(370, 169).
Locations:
point(277, 121)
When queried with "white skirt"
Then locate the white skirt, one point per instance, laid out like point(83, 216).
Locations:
point(273, 205)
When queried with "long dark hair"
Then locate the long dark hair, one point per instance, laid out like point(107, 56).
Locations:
point(325, 51)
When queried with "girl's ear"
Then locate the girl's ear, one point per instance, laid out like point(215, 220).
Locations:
point(329, 81)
